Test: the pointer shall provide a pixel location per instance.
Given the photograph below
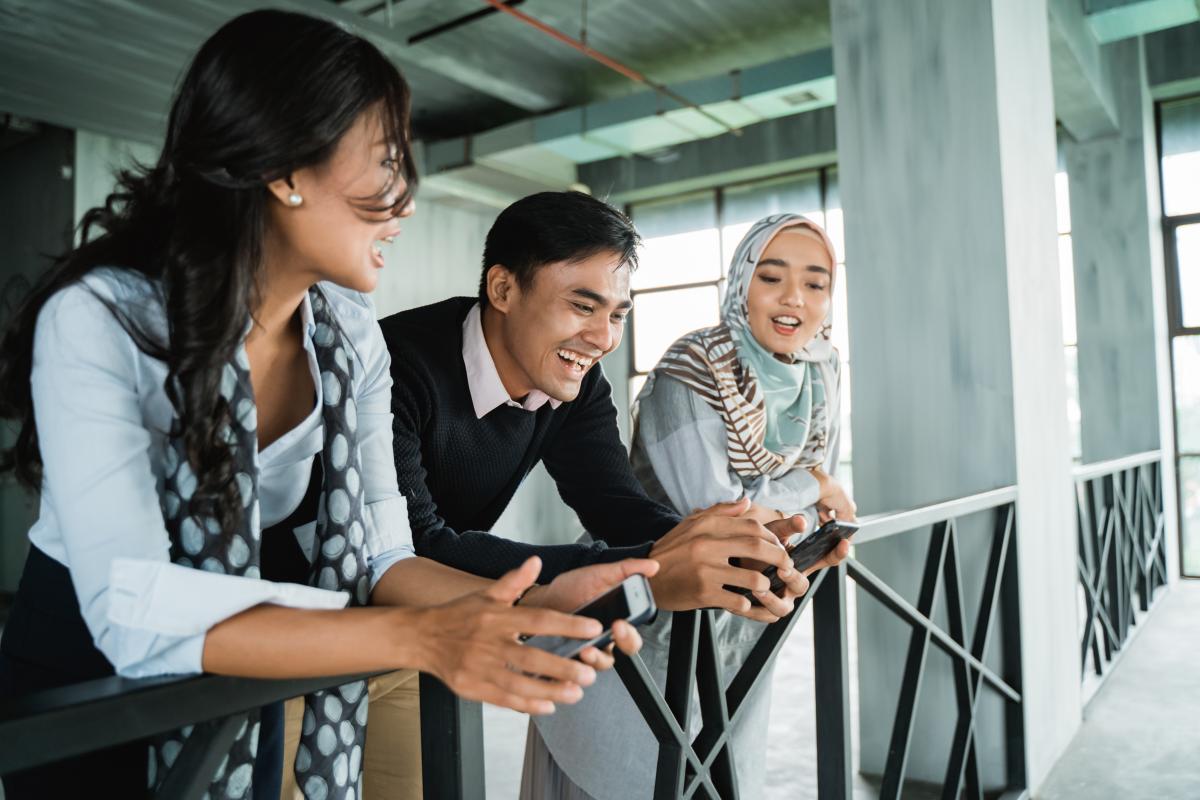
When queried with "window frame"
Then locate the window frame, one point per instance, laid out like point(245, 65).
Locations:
point(1175, 327)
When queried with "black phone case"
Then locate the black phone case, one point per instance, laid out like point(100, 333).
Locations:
point(809, 551)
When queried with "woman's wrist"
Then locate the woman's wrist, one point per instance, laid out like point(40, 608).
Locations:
point(405, 635)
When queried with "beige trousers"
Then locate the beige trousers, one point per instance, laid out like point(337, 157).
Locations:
point(392, 757)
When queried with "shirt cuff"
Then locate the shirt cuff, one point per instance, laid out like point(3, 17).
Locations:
point(387, 526)
point(167, 599)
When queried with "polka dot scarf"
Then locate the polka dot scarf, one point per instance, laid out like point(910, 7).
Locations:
point(329, 757)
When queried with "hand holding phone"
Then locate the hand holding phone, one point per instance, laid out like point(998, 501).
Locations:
point(806, 552)
point(631, 600)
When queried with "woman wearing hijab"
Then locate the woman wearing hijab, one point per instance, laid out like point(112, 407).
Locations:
point(747, 408)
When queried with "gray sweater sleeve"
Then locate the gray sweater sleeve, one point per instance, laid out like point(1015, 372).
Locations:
point(681, 440)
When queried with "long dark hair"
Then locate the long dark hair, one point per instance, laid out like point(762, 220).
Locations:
point(269, 93)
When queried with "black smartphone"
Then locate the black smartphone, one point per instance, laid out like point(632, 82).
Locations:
point(807, 551)
point(631, 600)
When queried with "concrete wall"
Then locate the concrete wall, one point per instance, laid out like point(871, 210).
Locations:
point(946, 152)
point(1111, 228)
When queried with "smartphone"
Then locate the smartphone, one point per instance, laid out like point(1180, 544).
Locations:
point(806, 551)
point(631, 601)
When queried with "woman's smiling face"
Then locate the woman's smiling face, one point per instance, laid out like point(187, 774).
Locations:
point(790, 291)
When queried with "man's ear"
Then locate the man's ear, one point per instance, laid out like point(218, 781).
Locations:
point(502, 288)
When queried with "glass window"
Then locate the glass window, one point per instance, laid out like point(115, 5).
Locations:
point(635, 387)
point(659, 318)
point(1187, 255)
point(1181, 157)
point(1062, 202)
point(1187, 393)
point(681, 242)
point(1066, 276)
point(1074, 409)
point(745, 205)
point(1189, 502)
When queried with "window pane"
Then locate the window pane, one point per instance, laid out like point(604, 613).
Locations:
point(1062, 201)
point(1187, 393)
point(635, 386)
point(1181, 157)
point(744, 205)
point(1187, 251)
point(833, 213)
point(659, 318)
point(1066, 276)
point(681, 244)
point(841, 318)
point(845, 444)
point(1189, 502)
point(1074, 410)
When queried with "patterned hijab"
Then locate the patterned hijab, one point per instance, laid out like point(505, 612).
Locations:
point(776, 409)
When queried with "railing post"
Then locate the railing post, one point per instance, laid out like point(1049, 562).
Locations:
point(451, 744)
point(831, 677)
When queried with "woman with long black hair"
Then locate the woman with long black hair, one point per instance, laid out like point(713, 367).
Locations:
point(202, 399)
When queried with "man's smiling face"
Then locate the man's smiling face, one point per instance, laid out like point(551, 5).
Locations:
point(555, 329)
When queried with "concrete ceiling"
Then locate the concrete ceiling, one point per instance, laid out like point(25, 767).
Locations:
point(111, 65)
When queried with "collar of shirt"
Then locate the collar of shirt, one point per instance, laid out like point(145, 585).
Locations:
point(487, 390)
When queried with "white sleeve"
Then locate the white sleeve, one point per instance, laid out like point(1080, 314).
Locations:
point(388, 536)
point(95, 449)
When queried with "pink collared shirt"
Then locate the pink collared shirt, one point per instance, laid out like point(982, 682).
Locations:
point(487, 390)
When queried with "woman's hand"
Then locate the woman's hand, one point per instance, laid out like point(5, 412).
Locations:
point(833, 500)
point(471, 645)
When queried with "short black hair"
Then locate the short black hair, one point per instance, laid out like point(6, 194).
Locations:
point(549, 227)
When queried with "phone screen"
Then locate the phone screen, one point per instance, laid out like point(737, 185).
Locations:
point(607, 608)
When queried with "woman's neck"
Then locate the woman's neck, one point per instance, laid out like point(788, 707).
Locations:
point(280, 293)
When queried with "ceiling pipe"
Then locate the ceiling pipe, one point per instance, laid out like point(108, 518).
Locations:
point(611, 63)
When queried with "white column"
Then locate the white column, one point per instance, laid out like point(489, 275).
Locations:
point(946, 152)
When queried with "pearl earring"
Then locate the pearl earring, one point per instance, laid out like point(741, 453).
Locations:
point(295, 199)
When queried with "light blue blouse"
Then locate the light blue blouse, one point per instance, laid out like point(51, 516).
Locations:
point(102, 417)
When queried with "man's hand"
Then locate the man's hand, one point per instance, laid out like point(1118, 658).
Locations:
point(576, 588)
point(694, 565)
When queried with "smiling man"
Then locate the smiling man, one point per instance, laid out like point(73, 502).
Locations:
point(485, 388)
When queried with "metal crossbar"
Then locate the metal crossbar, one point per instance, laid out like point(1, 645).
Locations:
point(703, 765)
point(1122, 552)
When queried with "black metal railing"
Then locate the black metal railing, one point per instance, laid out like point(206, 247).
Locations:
point(703, 765)
point(53, 724)
point(1122, 552)
point(60, 723)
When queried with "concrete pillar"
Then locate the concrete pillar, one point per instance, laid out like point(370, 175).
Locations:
point(946, 152)
point(1114, 217)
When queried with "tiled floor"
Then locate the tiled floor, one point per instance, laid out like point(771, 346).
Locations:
point(1141, 732)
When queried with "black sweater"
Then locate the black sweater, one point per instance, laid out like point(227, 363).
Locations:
point(459, 472)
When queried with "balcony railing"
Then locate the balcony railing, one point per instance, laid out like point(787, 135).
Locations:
point(1122, 554)
point(701, 764)
point(59, 723)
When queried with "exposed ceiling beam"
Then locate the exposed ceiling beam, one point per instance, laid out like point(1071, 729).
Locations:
point(509, 82)
point(1114, 20)
point(1083, 94)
